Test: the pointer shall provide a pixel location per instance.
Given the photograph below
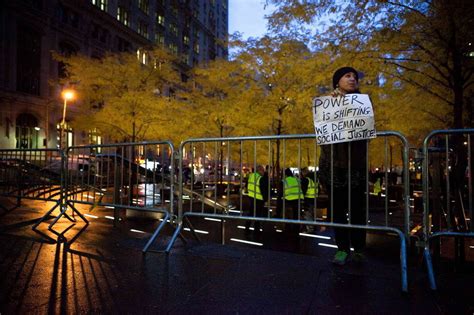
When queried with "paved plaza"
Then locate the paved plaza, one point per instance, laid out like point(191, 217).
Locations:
point(103, 270)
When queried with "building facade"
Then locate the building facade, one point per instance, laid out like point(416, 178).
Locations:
point(31, 106)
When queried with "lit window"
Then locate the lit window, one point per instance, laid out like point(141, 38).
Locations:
point(186, 40)
point(95, 139)
point(123, 16)
point(101, 4)
point(160, 19)
point(142, 56)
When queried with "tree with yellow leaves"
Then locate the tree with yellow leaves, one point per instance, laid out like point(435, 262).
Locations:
point(123, 97)
point(425, 44)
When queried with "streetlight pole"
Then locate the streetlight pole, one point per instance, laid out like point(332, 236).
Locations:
point(67, 95)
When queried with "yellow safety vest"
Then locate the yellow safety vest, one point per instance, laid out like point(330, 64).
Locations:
point(377, 187)
point(312, 191)
point(292, 189)
point(253, 186)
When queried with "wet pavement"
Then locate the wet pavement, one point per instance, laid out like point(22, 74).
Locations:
point(104, 271)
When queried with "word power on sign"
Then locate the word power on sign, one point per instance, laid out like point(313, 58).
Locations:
point(343, 118)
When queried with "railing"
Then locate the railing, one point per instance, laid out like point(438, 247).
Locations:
point(211, 183)
point(447, 191)
point(30, 174)
point(36, 174)
point(125, 176)
point(211, 188)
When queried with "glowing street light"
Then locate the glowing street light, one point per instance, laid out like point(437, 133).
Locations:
point(67, 95)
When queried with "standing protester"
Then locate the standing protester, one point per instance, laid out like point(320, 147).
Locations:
point(349, 163)
point(310, 192)
point(257, 187)
point(293, 197)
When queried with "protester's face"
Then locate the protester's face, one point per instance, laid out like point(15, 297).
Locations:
point(348, 83)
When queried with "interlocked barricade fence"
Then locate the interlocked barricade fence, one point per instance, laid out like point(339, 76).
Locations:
point(135, 176)
point(36, 174)
point(447, 192)
point(212, 184)
point(31, 174)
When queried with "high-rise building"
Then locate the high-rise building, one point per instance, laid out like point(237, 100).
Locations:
point(30, 30)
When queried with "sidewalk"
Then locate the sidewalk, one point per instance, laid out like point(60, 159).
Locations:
point(104, 271)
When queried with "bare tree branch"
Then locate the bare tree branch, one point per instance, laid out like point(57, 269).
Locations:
point(417, 84)
point(443, 84)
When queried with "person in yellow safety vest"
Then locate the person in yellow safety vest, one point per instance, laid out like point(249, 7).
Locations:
point(257, 188)
point(292, 198)
point(377, 187)
point(310, 191)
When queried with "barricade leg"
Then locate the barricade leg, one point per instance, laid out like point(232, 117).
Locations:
point(155, 234)
point(429, 268)
point(403, 262)
point(176, 233)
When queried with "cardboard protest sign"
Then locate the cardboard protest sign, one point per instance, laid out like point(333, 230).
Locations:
point(343, 118)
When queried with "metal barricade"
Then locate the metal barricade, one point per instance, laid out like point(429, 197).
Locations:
point(35, 174)
point(211, 184)
point(447, 191)
point(30, 174)
point(136, 177)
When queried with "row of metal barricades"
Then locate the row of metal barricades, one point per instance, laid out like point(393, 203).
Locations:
point(420, 195)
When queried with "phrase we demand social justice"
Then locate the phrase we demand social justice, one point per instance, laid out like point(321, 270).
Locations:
point(344, 118)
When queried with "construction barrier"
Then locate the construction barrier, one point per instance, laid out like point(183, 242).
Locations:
point(31, 174)
point(447, 192)
point(135, 177)
point(212, 184)
point(36, 174)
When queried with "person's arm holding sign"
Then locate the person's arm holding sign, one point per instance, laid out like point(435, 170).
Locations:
point(343, 122)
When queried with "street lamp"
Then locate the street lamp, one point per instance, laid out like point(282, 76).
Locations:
point(67, 95)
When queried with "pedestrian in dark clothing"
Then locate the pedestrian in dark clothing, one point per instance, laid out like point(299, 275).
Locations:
point(292, 198)
point(349, 167)
point(310, 191)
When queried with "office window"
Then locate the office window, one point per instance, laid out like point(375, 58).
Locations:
point(173, 29)
point(159, 39)
point(160, 19)
point(143, 5)
point(95, 139)
point(143, 29)
point(101, 4)
point(174, 9)
point(28, 58)
point(68, 134)
point(186, 39)
point(67, 16)
point(196, 48)
point(142, 56)
point(173, 48)
point(26, 132)
point(123, 15)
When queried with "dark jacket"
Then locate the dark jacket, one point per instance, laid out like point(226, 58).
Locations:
point(264, 186)
point(358, 162)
